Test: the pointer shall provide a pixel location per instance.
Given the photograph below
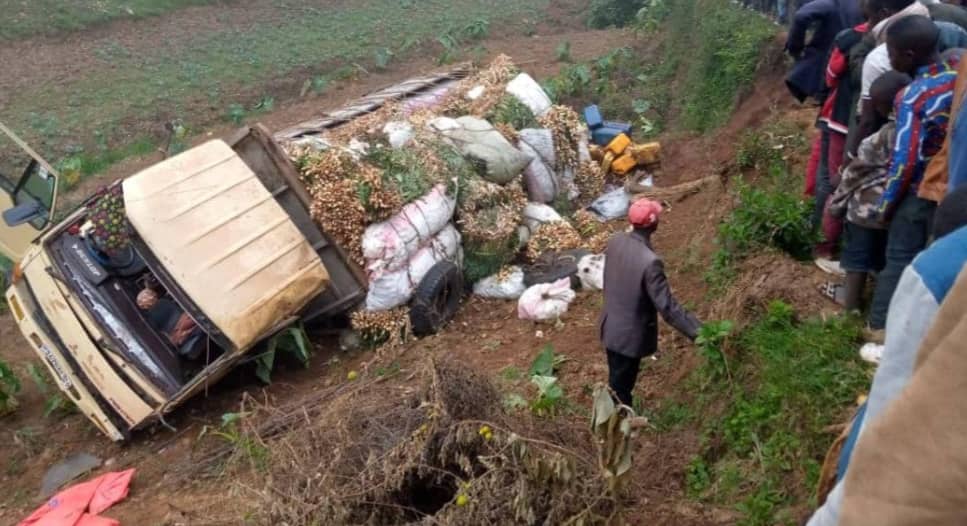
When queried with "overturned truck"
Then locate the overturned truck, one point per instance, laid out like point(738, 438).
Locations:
point(158, 285)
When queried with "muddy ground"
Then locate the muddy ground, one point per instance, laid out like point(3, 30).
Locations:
point(486, 335)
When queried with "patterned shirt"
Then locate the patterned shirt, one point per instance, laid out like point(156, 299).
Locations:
point(922, 112)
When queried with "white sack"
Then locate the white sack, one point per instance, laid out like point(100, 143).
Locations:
point(510, 288)
point(390, 289)
point(536, 214)
point(539, 177)
point(398, 133)
point(545, 302)
point(591, 272)
point(612, 205)
point(478, 140)
point(530, 93)
point(389, 244)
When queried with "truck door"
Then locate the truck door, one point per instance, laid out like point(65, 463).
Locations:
point(28, 192)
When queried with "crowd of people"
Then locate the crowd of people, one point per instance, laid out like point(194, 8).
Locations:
point(888, 170)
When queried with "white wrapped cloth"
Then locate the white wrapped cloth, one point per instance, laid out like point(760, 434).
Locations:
point(388, 245)
point(390, 289)
point(546, 302)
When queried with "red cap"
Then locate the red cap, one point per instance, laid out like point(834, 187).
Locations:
point(644, 213)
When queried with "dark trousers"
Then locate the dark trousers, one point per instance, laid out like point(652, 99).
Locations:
point(908, 235)
point(622, 375)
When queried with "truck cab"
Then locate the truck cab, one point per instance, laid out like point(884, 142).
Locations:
point(158, 285)
point(218, 253)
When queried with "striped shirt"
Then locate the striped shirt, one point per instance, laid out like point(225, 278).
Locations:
point(922, 113)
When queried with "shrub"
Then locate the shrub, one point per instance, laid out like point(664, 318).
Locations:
point(613, 13)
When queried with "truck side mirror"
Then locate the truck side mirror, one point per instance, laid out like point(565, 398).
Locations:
point(24, 213)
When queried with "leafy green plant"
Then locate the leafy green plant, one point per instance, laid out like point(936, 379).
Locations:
point(564, 52)
point(236, 113)
point(477, 29)
point(9, 387)
point(509, 110)
point(383, 57)
point(247, 445)
point(711, 342)
point(550, 394)
point(293, 341)
point(54, 400)
point(265, 104)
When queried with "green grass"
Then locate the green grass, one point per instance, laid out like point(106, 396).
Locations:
point(764, 422)
point(45, 17)
point(767, 214)
point(198, 77)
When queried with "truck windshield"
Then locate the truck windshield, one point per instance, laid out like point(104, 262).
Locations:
point(25, 180)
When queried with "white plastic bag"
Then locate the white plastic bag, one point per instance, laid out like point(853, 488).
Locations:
point(388, 245)
point(478, 140)
point(390, 289)
point(591, 272)
point(612, 205)
point(398, 133)
point(530, 93)
point(509, 288)
point(545, 302)
point(539, 178)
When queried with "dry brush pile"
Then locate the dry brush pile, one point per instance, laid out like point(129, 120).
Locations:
point(432, 449)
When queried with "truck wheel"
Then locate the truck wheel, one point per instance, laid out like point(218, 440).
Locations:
point(437, 299)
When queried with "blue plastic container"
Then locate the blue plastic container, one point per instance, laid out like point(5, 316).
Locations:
point(592, 116)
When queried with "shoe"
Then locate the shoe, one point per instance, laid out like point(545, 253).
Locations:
point(829, 266)
point(877, 336)
point(871, 352)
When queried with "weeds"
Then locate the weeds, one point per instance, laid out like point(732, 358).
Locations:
point(550, 394)
point(292, 341)
point(790, 377)
point(613, 13)
point(54, 400)
point(564, 52)
point(9, 387)
point(767, 213)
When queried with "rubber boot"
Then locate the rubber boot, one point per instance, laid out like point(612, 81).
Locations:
point(855, 283)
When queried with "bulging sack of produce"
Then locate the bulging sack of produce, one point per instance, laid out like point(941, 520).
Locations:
point(388, 245)
point(591, 272)
point(505, 285)
point(539, 177)
point(479, 141)
point(430, 99)
point(398, 133)
point(536, 214)
point(529, 92)
point(390, 289)
point(545, 302)
point(612, 205)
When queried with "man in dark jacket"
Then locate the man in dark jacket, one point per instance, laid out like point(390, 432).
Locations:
point(635, 291)
point(827, 18)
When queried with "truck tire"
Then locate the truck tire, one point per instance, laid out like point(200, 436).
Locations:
point(436, 299)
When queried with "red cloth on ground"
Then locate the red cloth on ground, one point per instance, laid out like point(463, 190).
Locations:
point(80, 504)
point(812, 166)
